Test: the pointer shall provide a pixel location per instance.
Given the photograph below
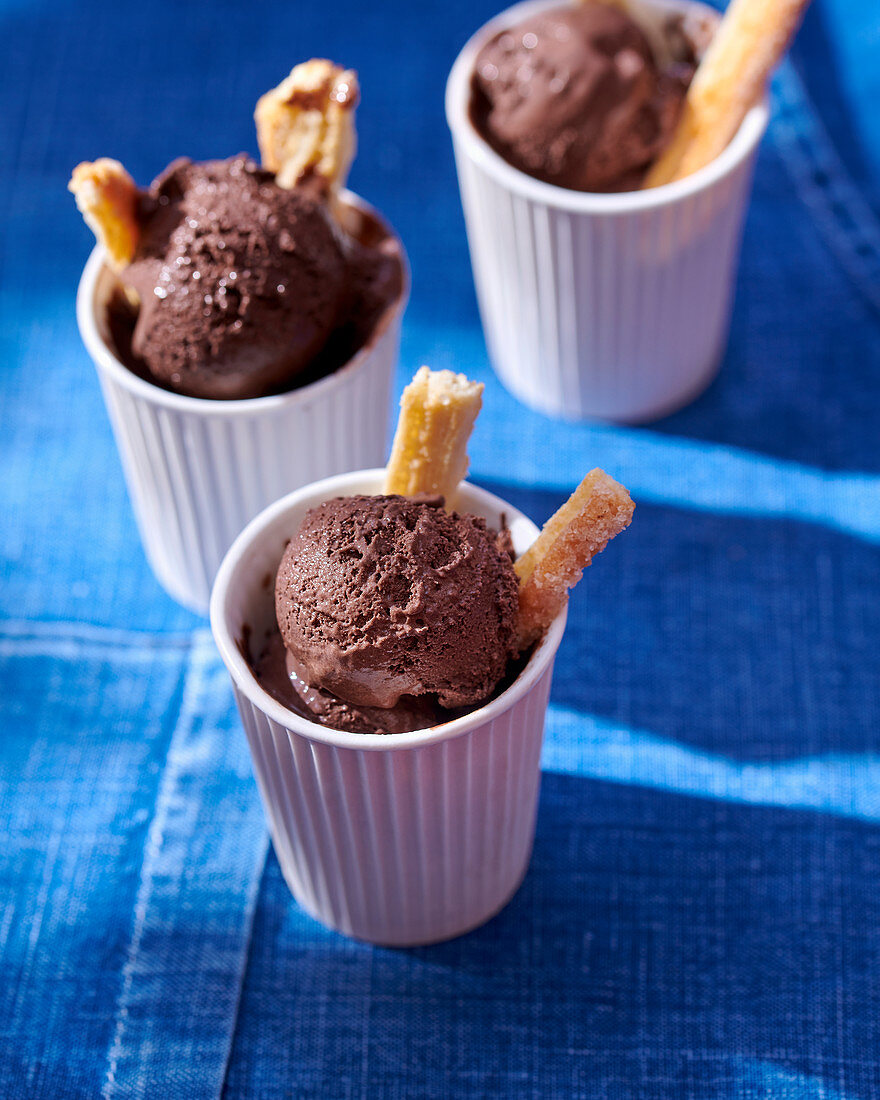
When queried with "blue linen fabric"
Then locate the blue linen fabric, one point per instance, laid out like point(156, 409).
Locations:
point(701, 914)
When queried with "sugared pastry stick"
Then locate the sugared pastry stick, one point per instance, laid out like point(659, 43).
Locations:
point(429, 453)
point(305, 126)
point(746, 48)
point(597, 510)
point(107, 198)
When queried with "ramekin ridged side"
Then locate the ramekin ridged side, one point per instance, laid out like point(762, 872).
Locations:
point(394, 839)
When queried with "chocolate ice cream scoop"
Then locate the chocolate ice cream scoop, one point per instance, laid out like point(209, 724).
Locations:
point(383, 597)
point(240, 281)
point(573, 96)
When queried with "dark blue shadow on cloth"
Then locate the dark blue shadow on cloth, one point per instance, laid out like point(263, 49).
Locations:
point(724, 633)
point(660, 947)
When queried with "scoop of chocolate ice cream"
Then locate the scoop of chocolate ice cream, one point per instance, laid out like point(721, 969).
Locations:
point(574, 97)
point(383, 597)
point(241, 282)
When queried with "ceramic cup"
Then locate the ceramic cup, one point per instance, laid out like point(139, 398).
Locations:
point(600, 306)
point(197, 470)
point(401, 838)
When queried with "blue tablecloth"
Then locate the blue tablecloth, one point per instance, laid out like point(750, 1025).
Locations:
point(701, 915)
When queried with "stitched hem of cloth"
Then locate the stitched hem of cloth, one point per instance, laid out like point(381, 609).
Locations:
point(839, 210)
point(193, 916)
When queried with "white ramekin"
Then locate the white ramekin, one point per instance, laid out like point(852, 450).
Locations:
point(197, 470)
point(606, 306)
point(396, 839)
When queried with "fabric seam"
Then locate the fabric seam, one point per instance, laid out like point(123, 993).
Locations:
point(840, 212)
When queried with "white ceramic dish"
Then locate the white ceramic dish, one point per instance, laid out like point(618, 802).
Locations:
point(401, 838)
point(607, 306)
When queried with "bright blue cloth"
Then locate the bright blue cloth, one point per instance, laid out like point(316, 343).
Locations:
point(701, 915)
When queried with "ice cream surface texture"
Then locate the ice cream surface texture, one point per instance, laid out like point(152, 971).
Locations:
point(240, 281)
point(574, 97)
point(383, 597)
point(247, 288)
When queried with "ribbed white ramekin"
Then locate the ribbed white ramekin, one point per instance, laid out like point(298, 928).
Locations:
point(607, 306)
point(402, 838)
point(197, 470)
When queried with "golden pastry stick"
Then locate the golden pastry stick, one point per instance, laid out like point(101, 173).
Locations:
point(305, 126)
point(597, 510)
point(429, 453)
point(748, 45)
point(107, 198)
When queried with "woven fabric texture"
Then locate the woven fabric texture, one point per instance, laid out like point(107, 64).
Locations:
point(700, 919)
